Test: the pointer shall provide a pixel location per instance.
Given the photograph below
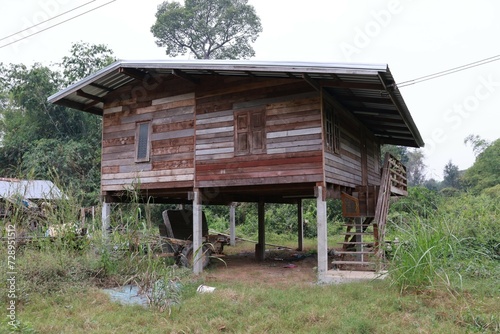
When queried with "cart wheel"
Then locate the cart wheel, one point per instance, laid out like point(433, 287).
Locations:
point(187, 256)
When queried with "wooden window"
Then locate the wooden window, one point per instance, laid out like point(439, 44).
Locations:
point(142, 141)
point(332, 130)
point(250, 132)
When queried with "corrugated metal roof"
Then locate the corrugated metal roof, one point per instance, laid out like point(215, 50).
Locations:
point(30, 189)
point(366, 90)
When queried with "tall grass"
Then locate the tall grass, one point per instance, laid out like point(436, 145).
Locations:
point(460, 239)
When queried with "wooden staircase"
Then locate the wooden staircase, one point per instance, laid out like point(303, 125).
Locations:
point(367, 210)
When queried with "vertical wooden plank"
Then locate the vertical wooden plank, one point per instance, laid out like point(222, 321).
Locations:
point(197, 233)
point(300, 221)
point(232, 224)
point(322, 235)
point(260, 248)
point(364, 158)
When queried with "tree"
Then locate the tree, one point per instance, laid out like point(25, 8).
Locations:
point(209, 29)
point(84, 60)
point(415, 168)
point(399, 152)
point(478, 144)
point(451, 175)
point(41, 139)
point(485, 173)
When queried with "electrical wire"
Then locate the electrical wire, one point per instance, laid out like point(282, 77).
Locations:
point(35, 25)
point(448, 71)
point(57, 24)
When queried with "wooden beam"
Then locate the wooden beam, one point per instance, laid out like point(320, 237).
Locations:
point(260, 248)
point(89, 96)
point(100, 86)
point(133, 73)
point(185, 76)
point(232, 224)
point(311, 82)
point(300, 221)
point(80, 106)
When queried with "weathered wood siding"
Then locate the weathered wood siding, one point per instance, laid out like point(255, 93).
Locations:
point(357, 162)
point(292, 150)
point(171, 163)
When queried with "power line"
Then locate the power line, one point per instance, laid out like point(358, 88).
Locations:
point(35, 25)
point(57, 24)
point(448, 71)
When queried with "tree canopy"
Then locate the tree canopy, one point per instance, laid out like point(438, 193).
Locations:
point(209, 29)
point(485, 173)
point(40, 138)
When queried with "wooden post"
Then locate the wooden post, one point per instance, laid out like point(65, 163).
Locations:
point(106, 219)
point(260, 248)
point(197, 233)
point(300, 221)
point(322, 234)
point(232, 224)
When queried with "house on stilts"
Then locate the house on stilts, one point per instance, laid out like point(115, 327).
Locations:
point(218, 132)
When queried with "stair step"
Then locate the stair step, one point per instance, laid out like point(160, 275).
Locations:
point(356, 243)
point(357, 233)
point(353, 253)
point(355, 262)
point(357, 225)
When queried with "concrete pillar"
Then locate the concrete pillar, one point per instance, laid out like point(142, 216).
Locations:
point(260, 248)
point(197, 233)
point(300, 221)
point(322, 234)
point(106, 219)
point(232, 224)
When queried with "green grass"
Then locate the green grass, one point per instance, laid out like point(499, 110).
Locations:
point(373, 307)
point(444, 278)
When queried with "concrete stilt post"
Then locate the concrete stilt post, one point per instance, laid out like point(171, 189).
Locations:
point(197, 233)
point(232, 224)
point(322, 234)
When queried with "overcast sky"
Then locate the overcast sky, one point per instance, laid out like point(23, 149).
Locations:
point(415, 38)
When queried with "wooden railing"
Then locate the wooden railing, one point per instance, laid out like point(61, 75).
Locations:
point(393, 182)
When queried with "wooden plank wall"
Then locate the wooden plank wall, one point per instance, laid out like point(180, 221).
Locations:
point(293, 151)
point(171, 162)
point(345, 169)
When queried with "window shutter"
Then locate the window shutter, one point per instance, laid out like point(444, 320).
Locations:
point(242, 134)
point(250, 132)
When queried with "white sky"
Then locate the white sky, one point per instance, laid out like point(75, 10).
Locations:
point(415, 38)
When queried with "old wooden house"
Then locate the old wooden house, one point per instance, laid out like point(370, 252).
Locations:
point(217, 132)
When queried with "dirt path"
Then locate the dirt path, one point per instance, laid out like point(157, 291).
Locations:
point(281, 267)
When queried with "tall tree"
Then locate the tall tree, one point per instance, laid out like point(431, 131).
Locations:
point(478, 144)
point(451, 175)
point(415, 167)
point(209, 29)
point(85, 59)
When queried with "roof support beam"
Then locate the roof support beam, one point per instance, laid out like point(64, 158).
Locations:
point(185, 76)
point(311, 82)
point(89, 96)
point(100, 86)
point(133, 73)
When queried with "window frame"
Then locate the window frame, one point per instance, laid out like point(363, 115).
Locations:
point(332, 130)
point(139, 137)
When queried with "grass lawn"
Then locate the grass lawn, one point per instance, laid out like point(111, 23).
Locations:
point(258, 304)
